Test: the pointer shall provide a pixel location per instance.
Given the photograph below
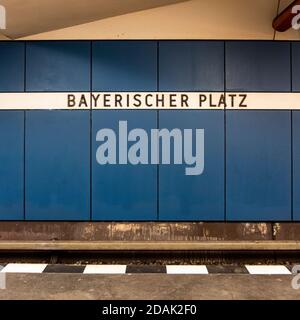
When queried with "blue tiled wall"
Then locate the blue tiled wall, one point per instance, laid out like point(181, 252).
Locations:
point(123, 192)
point(11, 165)
point(191, 66)
point(194, 197)
point(124, 66)
point(48, 165)
point(57, 170)
point(58, 66)
point(258, 172)
point(12, 66)
point(296, 165)
point(258, 66)
point(258, 165)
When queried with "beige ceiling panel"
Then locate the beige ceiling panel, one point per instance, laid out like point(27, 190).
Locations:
point(36, 16)
point(195, 19)
point(2, 37)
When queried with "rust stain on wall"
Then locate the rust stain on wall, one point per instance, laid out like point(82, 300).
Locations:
point(255, 229)
point(144, 231)
point(286, 231)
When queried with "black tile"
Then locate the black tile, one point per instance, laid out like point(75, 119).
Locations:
point(59, 268)
point(145, 269)
point(226, 269)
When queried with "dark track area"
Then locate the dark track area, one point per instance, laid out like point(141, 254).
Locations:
point(152, 258)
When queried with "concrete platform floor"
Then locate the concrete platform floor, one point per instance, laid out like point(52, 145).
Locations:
point(148, 286)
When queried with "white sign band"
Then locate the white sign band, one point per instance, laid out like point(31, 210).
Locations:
point(150, 101)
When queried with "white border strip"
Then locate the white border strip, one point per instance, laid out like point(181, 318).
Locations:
point(186, 269)
point(105, 269)
point(170, 269)
point(24, 268)
point(267, 269)
point(41, 101)
point(150, 101)
point(272, 101)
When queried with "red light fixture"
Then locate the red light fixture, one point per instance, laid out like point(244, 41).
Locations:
point(284, 20)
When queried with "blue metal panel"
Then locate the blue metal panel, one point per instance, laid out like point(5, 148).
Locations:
point(296, 65)
point(296, 165)
point(58, 66)
point(57, 162)
point(198, 197)
point(12, 165)
point(191, 65)
point(124, 65)
point(12, 66)
point(258, 165)
point(123, 191)
point(258, 66)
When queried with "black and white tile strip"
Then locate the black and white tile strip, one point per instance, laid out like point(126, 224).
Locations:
point(129, 269)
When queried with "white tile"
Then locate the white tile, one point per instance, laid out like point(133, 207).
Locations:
point(105, 268)
point(267, 269)
point(173, 269)
point(24, 268)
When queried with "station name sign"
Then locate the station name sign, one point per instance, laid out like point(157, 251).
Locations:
point(150, 100)
point(159, 100)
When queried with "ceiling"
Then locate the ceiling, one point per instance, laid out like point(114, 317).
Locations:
point(35, 16)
